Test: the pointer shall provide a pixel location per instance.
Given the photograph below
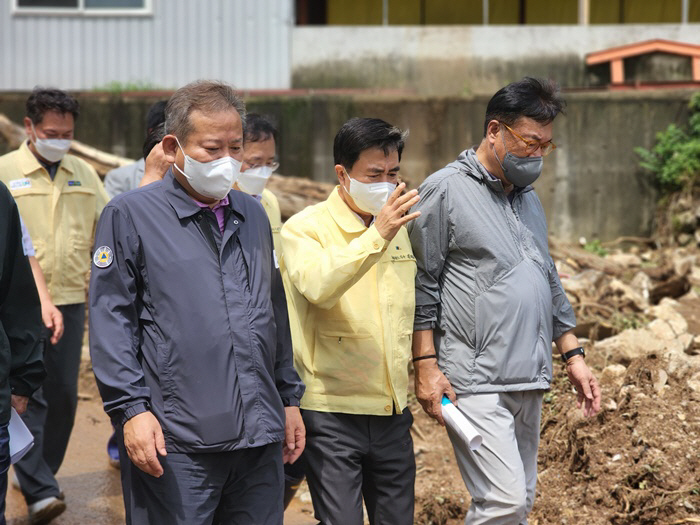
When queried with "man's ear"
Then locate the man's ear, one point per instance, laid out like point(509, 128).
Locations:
point(27, 126)
point(492, 130)
point(170, 148)
point(340, 173)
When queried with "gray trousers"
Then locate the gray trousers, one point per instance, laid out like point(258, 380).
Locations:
point(51, 410)
point(349, 457)
point(501, 475)
point(243, 487)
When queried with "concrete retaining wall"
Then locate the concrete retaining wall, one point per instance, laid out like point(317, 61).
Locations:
point(592, 185)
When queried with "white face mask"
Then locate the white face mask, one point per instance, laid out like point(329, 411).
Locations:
point(370, 197)
point(52, 150)
point(212, 179)
point(253, 181)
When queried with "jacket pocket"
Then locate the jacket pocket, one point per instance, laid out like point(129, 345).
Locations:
point(347, 359)
point(508, 317)
point(77, 257)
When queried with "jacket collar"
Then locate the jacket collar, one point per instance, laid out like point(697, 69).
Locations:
point(469, 162)
point(342, 214)
point(28, 163)
point(185, 206)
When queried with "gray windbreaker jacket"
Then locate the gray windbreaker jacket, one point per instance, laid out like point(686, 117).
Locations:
point(486, 283)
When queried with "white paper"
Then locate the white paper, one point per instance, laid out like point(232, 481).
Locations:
point(21, 440)
point(460, 424)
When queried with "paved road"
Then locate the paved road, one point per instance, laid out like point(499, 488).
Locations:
point(92, 487)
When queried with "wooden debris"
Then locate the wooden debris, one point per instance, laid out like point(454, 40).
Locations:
point(582, 258)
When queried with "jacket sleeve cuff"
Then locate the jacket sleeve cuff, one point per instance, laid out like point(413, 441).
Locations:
point(133, 410)
point(20, 388)
point(425, 318)
point(291, 402)
point(373, 241)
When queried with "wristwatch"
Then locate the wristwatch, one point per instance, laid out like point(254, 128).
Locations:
point(571, 353)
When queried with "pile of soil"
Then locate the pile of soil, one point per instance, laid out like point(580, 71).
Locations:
point(636, 462)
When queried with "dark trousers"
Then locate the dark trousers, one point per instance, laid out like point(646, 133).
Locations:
point(243, 487)
point(4, 466)
point(51, 410)
point(349, 457)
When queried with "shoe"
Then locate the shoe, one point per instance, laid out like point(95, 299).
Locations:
point(45, 510)
point(113, 451)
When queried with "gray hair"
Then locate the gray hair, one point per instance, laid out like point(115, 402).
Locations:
point(207, 96)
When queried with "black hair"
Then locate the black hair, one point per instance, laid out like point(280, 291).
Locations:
point(258, 128)
point(155, 135)
point(534, 98)
point(155, 116)
point(360, 134)
point(42, 100)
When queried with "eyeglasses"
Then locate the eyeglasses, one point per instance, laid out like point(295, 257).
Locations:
point(272, 165)
point(532, 146)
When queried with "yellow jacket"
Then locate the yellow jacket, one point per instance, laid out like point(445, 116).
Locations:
point(351, 303)
point(272, 208)
point(60, 214)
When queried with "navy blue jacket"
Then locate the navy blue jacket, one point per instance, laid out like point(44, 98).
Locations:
point(21, 348)
point(189, 323)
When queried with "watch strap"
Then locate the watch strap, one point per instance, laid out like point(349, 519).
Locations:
point(571, 353)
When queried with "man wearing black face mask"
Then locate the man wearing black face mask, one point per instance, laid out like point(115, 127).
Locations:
point(489, 301)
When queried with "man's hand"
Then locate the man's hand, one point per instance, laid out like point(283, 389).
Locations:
point(586, 386)
point(53, 319)
point(294, 435)
point(156, 166)
point(143, 437)
point(19, 403)
point(393, 215)
point(431, 385)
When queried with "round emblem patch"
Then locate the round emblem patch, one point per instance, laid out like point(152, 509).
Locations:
point(103, 257)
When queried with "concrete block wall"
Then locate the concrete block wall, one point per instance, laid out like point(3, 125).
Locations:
point(591, 186)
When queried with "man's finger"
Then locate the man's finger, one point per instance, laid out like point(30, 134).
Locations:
point(404, 207)
point(153, 464)
point(450, 393)
point(408, 218)
point(396, 193)
point(403, 199)
point(595, 390)
point(160, 442)
point(436, 406)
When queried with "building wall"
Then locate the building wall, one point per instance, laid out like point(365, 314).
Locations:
point(450, 12)
point(453, 60)
point(242, 42)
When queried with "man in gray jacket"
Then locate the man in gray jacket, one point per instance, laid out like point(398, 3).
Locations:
point(489, 301)
point(189, 333)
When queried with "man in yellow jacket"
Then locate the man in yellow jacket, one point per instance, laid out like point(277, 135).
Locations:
point(60, 198)
point(349, 276)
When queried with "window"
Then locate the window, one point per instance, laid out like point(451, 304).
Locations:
point(82, 7)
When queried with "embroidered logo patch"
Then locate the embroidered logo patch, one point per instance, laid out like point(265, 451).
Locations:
point(20, 183)
point(103, 257)
point(74, 183)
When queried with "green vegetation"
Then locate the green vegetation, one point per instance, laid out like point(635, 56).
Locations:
point(117, 87)
point(674, 161)
point(626, 321)
point(595, 247)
